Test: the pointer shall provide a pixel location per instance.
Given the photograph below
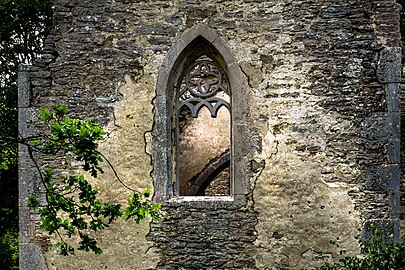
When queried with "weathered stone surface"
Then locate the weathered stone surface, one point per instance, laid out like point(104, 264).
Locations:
point(389, 70)
point(402, 157)
point(382, 178)
point(31, 257)
point(316, 134)
point(214, 235)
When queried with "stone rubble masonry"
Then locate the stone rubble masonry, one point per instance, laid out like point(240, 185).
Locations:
point(316, 125)
point(402, 157)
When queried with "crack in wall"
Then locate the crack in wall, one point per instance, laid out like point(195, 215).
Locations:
point(248, 78)
point(148, 139)
point(115, 120)
point(275, 152)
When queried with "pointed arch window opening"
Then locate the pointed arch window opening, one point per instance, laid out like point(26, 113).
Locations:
point(203, 127)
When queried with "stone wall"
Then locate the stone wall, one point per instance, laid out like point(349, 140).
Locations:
point(402, 186)
point(321, 127)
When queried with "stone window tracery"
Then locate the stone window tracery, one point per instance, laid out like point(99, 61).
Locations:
point(203, 122)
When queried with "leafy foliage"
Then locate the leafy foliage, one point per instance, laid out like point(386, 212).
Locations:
point(8, 179)
point(72, 205)
point(8, 238)
point(23, 26)
point(8, 126)
point(9, 250)
point(377, 255)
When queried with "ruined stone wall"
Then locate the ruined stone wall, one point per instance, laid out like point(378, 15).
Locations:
point(402, 185)
point(320, 79)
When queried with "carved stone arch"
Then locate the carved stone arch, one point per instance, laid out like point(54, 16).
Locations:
point(192, 44)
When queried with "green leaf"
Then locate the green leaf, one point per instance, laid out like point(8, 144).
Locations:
point(146, 193)
point(4, 165)
point(60, 111)
point(46, 115)
point(33, 202)
point(97, 250)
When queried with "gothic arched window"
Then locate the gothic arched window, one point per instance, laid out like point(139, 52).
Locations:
point(199, 108)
